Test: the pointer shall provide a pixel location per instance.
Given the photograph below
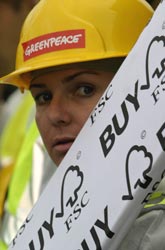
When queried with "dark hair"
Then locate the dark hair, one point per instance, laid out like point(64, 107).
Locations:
point(15, 4)
point(109, 64)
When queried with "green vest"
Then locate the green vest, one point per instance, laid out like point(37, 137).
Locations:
point(20, 177)
point(10, 142)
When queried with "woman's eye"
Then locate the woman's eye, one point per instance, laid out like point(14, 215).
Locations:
point(43, 98)
point(85, 90)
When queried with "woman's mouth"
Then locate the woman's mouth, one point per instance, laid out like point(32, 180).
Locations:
point(62, 145)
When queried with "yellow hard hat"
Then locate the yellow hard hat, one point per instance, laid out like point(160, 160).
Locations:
point(60, 32)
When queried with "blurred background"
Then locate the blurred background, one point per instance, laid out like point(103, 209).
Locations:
point(12, 15)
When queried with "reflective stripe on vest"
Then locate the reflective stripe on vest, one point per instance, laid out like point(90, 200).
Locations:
point(15, 130)
point(3, 246)
point(156, 199)
point(10, 143)
point(22, 170)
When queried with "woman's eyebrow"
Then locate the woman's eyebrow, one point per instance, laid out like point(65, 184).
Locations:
point(66, 79)
point(37, 85)
point(77, 74)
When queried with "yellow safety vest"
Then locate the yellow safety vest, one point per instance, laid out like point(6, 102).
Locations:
point(10, 143)
point(156, 199)
point(20, 177)
point(3, 246)
point(22, 170)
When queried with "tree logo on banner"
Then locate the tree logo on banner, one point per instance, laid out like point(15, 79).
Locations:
point(156, 44)
point(73, 176)
point(137, 154)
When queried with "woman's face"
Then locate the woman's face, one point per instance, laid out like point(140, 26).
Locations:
point(64, 99)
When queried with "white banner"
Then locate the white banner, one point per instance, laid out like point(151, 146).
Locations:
point(105, 179)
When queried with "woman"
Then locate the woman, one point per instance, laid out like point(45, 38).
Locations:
point(68, 53)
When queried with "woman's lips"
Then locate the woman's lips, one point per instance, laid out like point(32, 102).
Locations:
point(62, 145)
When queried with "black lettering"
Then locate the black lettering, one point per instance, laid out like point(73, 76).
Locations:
point(49, 226)
point(104, 225)
point(155, 94)
point(93, 115)
point(119, 130)
point(158, 72)
point(83, 203)
point(41, 240)
point(14, 240)
point(95, 238)
point(31, 245)
point(107, 140)
point(146, 199)
point(22, 228)
point(107, 97)
point(133, 99)
point(68, 222)
point(28, 219)
point(101, 104)
point(84, 245)
point(155, 186)
point(77, 210)
point(161, 136)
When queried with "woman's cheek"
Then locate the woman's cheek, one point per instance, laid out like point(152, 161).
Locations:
point(41, 122)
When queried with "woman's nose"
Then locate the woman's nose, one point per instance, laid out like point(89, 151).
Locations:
point(59, 112)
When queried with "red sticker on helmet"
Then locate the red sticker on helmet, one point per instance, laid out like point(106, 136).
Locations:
point(70, 39)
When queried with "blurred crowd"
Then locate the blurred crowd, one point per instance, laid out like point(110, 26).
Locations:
point(12, 15)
